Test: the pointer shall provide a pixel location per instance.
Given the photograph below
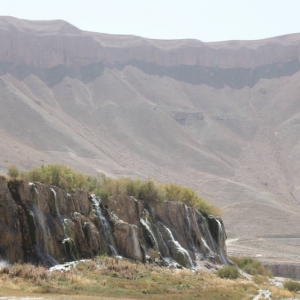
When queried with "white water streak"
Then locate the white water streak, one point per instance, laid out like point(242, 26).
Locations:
point(4, 264)
point(32, 185)
point(58, 213)
point(147, 224)
point(105, 226)
point(179, 247)
point(205, 244)
point(220, 236)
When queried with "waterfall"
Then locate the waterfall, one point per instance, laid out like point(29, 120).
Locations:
point(62, 221)
point(4, 264)
point(71, 200)
point(213, 228)
point(187, 216)
point(205, 244)
point(38, 221)
point(67, 242)
point(146, 224)
point(41, 246)
point(211, 240)
point(188, 221)
point(105, 227)
point(178, 249)
point(33, 188)
point(221, 242)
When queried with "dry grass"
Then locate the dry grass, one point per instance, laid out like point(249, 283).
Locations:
point(259, 279)
point(112, 277)
point(280, 293)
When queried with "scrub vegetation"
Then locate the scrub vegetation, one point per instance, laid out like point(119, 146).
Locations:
point(107, 277)
point(230, 272)
point(251, 266)
point(105, 187)
point(122, 278)
point(291, 285)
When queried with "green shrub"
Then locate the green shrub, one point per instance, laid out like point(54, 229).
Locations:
point(177, 193)
point(251, 266)
point(151, 192)
point(12, 172)
point(105, 187)
point(104, 195)
point(132, 187)
point(259, 279)
point(229, 272)
point(291, 285)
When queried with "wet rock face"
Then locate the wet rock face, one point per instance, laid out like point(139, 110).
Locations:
point(10, 229)
point(44, 224)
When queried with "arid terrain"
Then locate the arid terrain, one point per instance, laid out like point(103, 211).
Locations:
point(222, 118)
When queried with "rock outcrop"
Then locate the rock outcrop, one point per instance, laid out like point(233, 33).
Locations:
point(44, 224)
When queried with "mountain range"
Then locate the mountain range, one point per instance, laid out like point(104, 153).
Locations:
point(222, 118)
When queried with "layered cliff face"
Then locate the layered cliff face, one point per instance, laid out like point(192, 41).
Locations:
point(44, 224)
point(221, 118)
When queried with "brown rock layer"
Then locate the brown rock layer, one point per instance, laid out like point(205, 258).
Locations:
point(43, 224)
point(54, 50)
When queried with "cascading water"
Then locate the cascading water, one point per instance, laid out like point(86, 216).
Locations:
point(67, 242)
point(38, 221)
point(105, 227)
point(62, 221)
point(71, 201)
point(4, 264)
point(33, 188)
point(187, 215)
point(147, 226)
point(210, 240)
point(41, 246)
point(192, 245)
point(213, 230)
point(221, 242)
point(205, 244)
point(183, 256)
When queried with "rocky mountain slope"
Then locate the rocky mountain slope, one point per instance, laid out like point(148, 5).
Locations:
point(222, 118)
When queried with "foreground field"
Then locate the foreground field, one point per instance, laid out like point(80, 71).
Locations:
point(110, 278)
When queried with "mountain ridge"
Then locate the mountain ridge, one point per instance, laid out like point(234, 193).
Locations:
point(286, 48)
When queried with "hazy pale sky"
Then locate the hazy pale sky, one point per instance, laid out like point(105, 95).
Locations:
point(206, 20)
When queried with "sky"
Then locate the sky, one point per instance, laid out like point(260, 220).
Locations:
point(205, 20)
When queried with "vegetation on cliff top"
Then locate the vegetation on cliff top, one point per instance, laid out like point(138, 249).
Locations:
point(105, 187)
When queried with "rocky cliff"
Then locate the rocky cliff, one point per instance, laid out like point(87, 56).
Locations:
point(44, 224)
point(53, 50)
